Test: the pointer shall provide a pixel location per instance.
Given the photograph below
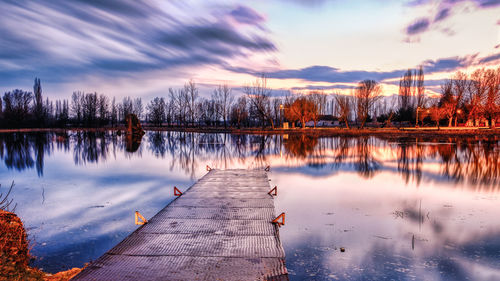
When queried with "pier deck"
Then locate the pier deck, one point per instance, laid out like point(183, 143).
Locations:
point(219, 229)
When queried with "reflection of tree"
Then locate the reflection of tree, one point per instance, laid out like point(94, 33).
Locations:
point(410, 157)
point(133, 142)
point(365, 162)
point(475, 161)
point(24, 151)
point(91, 147)
point(156, 142)
point(300, 146)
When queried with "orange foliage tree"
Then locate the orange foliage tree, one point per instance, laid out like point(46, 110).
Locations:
point(301, 110)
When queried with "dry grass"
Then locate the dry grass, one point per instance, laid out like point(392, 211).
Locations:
point(14, 253)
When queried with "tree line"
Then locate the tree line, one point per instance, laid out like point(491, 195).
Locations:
point(467, 99)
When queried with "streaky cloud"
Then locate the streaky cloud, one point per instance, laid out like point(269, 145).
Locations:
point(67, 39)
point(246, 15)
point(418, 26)
point(320, 73)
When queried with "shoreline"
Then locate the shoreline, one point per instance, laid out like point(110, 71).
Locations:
point(319, 132)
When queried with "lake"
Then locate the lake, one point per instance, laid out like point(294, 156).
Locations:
point(403, 208)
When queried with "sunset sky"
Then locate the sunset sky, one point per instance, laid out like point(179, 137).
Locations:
point(141, 48)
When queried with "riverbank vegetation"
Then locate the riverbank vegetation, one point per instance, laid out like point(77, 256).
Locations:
point(464, 100)
point(14, 248)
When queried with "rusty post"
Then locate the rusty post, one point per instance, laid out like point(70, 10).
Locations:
point(177, 192)
point(139, 216)
point(274, 191)
point(277, 220)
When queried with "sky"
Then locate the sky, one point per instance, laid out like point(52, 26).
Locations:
point(140, 48)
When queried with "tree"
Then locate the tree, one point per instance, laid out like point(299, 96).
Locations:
point(447, 103)
point(76, 106)
point(366, 94)
point(179, 103)
point(477, 93)
point(191, 94)
point(492, 100)
point(406, 93)
point(137, 108)
point(103, 105)
point(38, 103)
point(16, 107)
point(223, 101)
point(318, 98)
point(114, 112)
point(343, 108)
point(302, 109)
point(239, 112)
point(258, 95)
point(156, 111)
point(436, 114)
point(90, 109)
point(459, 88)
point(127, 107)
point(420, 88)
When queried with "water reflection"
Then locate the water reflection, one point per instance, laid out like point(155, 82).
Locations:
point(474, 160)
point(401, 207)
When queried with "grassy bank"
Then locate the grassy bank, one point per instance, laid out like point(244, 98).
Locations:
point(322, 132)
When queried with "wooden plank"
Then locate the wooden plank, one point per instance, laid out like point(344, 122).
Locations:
point(219, 229)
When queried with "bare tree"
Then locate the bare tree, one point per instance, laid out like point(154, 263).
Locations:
point(239, 112)
point(492, 100)
point(343, 104)
point(460, 86)
point(191, 94)
point(114, 112)
point(137, 108)
point(258, 94)
point(420, 88)
point(178, 99)
point(477, 93)
point(366, 94)
point(127, 108)
point(156, 111)
point(38, 102)
point(223, 101)
point(447, 103)
point(17, 107)
point(76, 106)
point(319, 100)
point(406, 91)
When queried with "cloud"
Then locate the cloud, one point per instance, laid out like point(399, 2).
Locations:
point(329, 74)
point(418, 26)
point(488, 3)
point(246, 15)
point(490, 58)
point(442, 14)
point(321, 88)
point(443, 11)
point(446, 64)
point(63, 40)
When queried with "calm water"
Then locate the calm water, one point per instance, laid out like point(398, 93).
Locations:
point(413, 209)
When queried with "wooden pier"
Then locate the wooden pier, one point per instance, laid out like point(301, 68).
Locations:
point(219, 229)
